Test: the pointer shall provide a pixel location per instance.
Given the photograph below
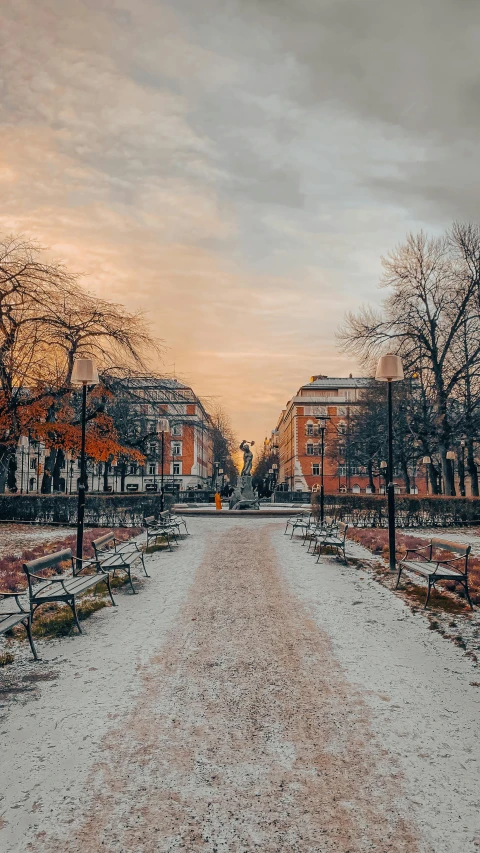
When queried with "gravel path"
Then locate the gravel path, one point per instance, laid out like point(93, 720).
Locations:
point(243, 731)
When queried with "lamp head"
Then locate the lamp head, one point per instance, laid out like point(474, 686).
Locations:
point(389, 368)
point(84, 372)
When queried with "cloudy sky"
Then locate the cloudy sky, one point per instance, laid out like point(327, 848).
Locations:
point(235, 168)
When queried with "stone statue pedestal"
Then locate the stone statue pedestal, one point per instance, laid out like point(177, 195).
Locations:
point(243, 496)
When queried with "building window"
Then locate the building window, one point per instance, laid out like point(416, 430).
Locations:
point(176, 468)
point(151, 469)
point(342, 471)
point(177, 429)
point(342, 428)
point(310, 450)
point(315, 469)
point(33, 463)
point(309, 429)
point(133, 468)
point(176, 448)
point(152, 449)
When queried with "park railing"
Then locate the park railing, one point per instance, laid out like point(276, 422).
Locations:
point(126, 510)
point(410, 510)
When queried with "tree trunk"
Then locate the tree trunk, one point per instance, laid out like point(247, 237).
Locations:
point(12, 473)
point(47, 478)
point(106, 468)
point(371, 481)
point(406, 475)
point(433, 478)
point(123, 473)
point(472, 468)
point(56, 474)
point(4, 458)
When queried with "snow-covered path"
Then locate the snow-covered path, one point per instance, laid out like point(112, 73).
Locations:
point(247, 699)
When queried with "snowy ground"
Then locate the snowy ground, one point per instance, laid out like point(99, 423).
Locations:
point(15, 538)
point(246, 699)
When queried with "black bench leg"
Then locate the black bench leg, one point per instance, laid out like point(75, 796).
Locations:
point(143, 564)
point(131, 582)
point(28, 628)
point(107, 581)
point(468, 595)
point(75, 615)
point(428, 594)
point(398, 578)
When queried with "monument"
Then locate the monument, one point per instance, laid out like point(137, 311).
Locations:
point(244, 496)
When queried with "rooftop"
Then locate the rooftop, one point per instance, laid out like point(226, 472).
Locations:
point(327, 382)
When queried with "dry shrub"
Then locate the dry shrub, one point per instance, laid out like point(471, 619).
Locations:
point(12, 576)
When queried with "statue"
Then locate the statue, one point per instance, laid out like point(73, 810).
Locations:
point(244, 496)
point(247, 457)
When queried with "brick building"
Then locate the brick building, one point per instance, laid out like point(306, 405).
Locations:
point(298, 437)
point(187, 446)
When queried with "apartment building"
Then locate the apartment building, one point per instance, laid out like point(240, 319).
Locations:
point(299, 438)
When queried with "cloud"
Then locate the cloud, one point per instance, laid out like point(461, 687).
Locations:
point(236, 169)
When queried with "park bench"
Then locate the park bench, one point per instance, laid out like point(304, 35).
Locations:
point(165, 525)
point(9, 619)
point(111, 556)
point(319, 531)
point(335, 539)
point(66, 587)
point(301, 520)
point(179, 520)
point(439, 568)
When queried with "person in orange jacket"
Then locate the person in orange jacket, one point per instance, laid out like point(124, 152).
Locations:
point(218, 500)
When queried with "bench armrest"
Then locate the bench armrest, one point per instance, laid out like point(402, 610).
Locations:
point(416, 550)
point(89, 561)
point(16, 596)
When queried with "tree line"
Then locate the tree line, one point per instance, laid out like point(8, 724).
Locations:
point(47, 320)
point(431, 318)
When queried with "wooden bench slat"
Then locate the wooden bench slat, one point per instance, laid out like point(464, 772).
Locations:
point(9, 620)
point(434, 567)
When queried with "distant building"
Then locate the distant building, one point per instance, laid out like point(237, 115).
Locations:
point(187, 446)
point(298, 437)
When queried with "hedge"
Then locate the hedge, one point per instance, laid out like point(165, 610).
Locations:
point(410, 510)
point(125, 510)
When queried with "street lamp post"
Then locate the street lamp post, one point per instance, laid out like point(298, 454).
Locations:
point(462, 478)
point(450, 454)
point(390, 369)
point(383, 470)
point(84, 373)
point(322, 424)
point(163, 426)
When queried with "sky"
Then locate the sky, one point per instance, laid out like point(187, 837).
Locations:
point(236, 168)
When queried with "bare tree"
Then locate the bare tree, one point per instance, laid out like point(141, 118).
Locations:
point(431, 292)
point(46, 321)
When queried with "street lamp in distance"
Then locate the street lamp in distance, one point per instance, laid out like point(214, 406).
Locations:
point(163, 426)
point(322, 425)
point(390, 369)
point(84, 373)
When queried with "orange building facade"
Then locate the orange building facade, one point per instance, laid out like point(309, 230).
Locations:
point(298, 438)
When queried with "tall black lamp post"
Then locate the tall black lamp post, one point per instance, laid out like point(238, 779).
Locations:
point(163, 426)
point(390, 369)
point(450, 455)
point(322, 425)
point(462, 478)
point(84, 373)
